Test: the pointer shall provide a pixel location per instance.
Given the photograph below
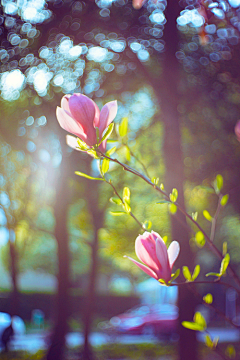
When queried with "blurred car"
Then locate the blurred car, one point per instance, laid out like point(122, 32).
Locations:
point(147, 320)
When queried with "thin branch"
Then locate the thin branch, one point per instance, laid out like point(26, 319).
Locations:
point(148, 181)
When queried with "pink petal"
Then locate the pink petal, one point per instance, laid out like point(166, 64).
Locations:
point(96, 120)
point(237, 130)
point(173, 252)
point(162, 255)
point(145, 247)
point(65, 103)
point(137, 4)
point(69, 124)
point(144, 268)
point(83, 111)
point(107, 114)
point(72, 142)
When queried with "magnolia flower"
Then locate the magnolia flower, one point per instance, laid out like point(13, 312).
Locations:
point(137, 4)
point(81, 116)
point(152, 251)
point(237, 130)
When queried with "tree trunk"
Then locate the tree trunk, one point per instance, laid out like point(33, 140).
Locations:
point(174, 177)
point(14, 297)
point(97, 223)
point(56, 349)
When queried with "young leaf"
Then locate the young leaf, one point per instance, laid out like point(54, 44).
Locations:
point(175, 275)
point(111, 151)
point(192, 325)
point(107, 133)
point(165, 238)
point(123, 127)
point(126, 194)
point(200, 239)
point(105, 166)
point(207, 215)
point(195, 216)
point(208, 341)
point(155, 180)
point(82, 145)
point(230, 352)
point(163, 282)
point(218, 183)
point(147, 224)
point(186, 273)
point(200, 320)
point(87, 176)
point(172, 208)
point(224, 200)
point(93, 153)
point(115, 201)
point(161, 186)
point(208, 299)
point(224, 264)
point(213, 274)
point(224, 250)
point(117, 213)
point(196, 272)
point(174, 195)
point(127, 153)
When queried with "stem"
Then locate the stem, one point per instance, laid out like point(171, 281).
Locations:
point(140, 162)
point(212, 247)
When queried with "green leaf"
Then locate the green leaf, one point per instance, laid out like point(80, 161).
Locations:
point(123, 127)
point(105, 166)
point(82, 145)
point(126, 199)
point(186, 273)
point(196, 272)
point(117, 213)
point(208, 299)
point(230, 352)
point(107, 133)
point(207, 215)
point(174, 195)
point(97, 134)
point(147, 224)
point(224, 251)
point(208, 341)
point(224, 264)
point(115, 201)
point(192, 326)
point(200, 320)
point(127, 153)
point(155, 180)
point(172, 208)
point(218, 183)
point(213, 274)
point(165, 238)
point(195, 216)
point(161, 186)
point(224, 200)
point(87, 176)
point(200, 239)
point(175, 276)
point(93, 153)
point(111, 151)
point(163, 282)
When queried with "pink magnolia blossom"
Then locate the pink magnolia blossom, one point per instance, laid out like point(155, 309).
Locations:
point(80, 116)
point(152, 251)
point(137, 4)
point(237, 130)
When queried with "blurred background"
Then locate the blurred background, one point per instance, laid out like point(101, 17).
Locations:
point(174, 69)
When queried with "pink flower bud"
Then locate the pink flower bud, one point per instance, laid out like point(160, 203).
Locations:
point(237, 130)
point(137, 4)
point(152, 251)
point(80, 116)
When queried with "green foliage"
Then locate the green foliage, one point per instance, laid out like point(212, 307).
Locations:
point(218, 184)
point(104, 167)
point(224, 200)
point(198, 324)
point(79, 173)
point(111, 151)
point(230, 352)
point(195, 216)
point(211, 343)
point(82, 145)
point(172, 208)
point(223, 268)
point(123, 127)
point(208, 299)
point(126, 199)
point(174, 195)
point(188, 276)
point(200, 239)
point(207, 215)
point(107, 132)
